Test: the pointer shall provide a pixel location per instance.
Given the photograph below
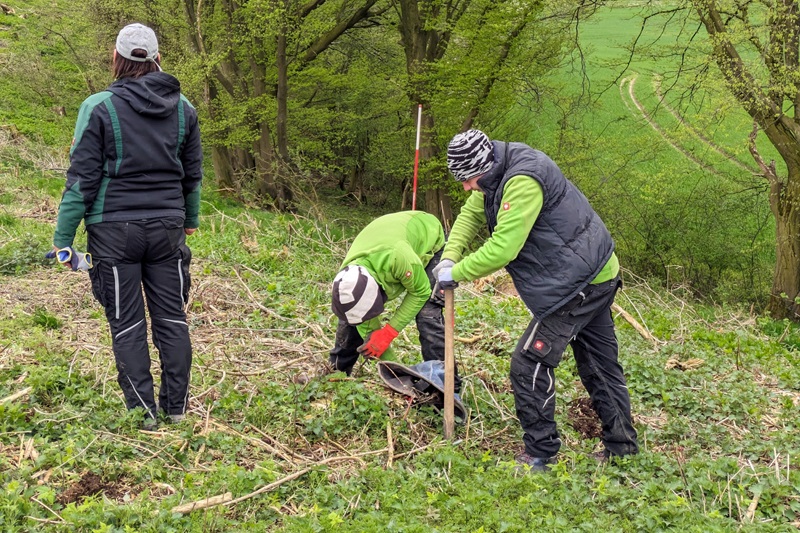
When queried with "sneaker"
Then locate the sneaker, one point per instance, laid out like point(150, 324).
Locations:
point(175, 419)
point(535, 464)
point(149, 424)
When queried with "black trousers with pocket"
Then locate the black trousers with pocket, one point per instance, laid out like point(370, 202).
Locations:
point(586, 323)
point(149, 255)
point(430, 325)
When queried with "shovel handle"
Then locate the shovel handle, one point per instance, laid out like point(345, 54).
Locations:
point(449, 364)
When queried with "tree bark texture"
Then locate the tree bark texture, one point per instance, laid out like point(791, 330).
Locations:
point(424, 43)
point(770, 94)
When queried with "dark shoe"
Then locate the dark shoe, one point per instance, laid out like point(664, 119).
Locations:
point(535, 464)
point(600, 457)
point(168, 418)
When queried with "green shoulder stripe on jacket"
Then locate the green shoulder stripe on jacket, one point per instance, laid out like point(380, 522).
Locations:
point(84, 113)
point(181, 129)
point(186, 101)
point(95, 215)
point(112, 113)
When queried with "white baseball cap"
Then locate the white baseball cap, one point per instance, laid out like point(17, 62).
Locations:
point(137, 37)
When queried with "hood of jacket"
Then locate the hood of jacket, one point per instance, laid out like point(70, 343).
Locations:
point(154, 94)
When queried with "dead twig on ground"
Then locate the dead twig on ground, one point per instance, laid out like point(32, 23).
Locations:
point(16, 395)
point(636, 325)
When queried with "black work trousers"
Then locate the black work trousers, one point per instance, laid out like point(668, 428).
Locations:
point(150, 255)
point(430, 324)
point(586, 323)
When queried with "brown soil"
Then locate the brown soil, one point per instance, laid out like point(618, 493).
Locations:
point(583, 418)
point(89, 485)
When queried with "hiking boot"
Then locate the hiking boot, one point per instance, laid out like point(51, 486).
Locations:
point(535, 464)
point(175, 419)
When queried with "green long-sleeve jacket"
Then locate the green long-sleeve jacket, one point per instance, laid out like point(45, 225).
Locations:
point(395, 249)
point(522, 202)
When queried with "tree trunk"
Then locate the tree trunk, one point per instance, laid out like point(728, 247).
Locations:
point(434, 200)
point(767, 105)
point(268, 163)
point(424, 45)
point(223, 169)
point(785, 297)
point(282, 95)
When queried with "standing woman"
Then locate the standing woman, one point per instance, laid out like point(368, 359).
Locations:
point(134, 179)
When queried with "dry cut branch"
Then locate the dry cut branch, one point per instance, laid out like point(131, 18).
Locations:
point(633, 322)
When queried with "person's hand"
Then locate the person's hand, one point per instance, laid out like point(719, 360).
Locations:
point(445, 279)
point(189, 231)
point(378, 342)
point(444, 263)
point(70, 258)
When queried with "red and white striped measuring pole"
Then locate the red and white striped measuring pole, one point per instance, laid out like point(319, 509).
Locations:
point(416, 159)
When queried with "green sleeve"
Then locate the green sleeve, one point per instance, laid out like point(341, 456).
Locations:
point(85, 171)
point(70, 214)
point(192, 209)
point(399, 271)
point(469, 221)
point(520, 206)
point(411, 274)
point(365, 328)
point(192, 162)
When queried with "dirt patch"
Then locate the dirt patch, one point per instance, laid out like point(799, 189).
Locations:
point(89, 485)
point(583, 418)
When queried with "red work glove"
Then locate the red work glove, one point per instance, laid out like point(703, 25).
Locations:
point(377, 342)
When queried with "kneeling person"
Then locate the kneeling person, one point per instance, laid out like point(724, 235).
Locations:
point(393, 255)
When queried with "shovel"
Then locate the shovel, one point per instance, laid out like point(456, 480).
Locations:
point(449, 363)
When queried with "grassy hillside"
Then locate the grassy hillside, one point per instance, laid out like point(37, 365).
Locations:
point(665, 162)
point(714, 390)
point(714, 395)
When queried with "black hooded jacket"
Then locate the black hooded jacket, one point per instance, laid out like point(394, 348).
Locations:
point(135, 155)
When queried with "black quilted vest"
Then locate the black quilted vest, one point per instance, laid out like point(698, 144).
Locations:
point(568, 245)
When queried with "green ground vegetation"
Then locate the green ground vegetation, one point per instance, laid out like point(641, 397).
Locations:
point(714, 392)
point(714, 388)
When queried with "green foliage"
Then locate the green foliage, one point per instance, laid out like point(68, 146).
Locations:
point(711, 434)
point(664, 162)
point(715, 396)
point(46, 69)
point(46, 320)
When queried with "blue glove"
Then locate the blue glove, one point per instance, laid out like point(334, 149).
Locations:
point(445, 279)
point(70, 258)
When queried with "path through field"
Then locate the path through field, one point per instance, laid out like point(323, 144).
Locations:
point(628, 95)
